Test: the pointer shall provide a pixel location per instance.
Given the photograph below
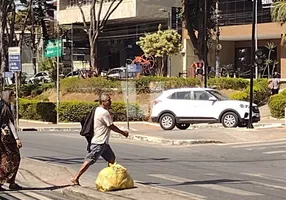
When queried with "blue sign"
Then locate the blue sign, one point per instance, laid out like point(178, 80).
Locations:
point(14, 59)
point(134, 68)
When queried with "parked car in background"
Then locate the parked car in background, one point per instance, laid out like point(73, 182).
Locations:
point(115, 73)
point(73, 74)
point(185, 106)
point(118, 73)
point(40, 77)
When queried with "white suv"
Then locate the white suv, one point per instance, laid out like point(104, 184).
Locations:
point(185, 106)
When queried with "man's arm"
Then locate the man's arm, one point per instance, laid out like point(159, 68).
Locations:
point(117, 130)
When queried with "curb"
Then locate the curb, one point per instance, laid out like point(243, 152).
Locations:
point(35, 121)
point(167, 141)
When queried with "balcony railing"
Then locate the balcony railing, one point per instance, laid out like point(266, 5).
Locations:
point(72, 3)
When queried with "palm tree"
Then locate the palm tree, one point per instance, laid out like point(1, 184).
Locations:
point(278, 13)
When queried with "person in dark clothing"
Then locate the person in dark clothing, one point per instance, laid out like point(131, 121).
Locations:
point(9, 143)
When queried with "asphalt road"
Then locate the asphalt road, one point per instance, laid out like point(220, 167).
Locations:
point(210, 171)
point(31, 194)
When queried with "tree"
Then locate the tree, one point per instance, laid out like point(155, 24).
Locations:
point(5, 9)
point(193, 16)
point(161, 44)
point(98, 21)
point(278, 13)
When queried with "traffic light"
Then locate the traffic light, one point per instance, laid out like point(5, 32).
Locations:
point(200, 68)
point(243, 56)
point(259, 57)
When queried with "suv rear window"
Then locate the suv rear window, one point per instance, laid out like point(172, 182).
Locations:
point(181, 95)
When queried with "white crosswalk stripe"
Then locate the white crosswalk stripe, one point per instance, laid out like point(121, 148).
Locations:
point(216, 187)
point(259, 144)
point(274, 152)
point(264, 176)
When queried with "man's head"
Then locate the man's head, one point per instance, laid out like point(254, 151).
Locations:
point(105, 101)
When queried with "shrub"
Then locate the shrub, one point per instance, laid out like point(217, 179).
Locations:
point(34, 89)
point(143, 84)
point(277, 105)
point(239, 95)
point(34, 110)
point(261, 92)
point(74, 111)
point(229, 83)
point(93, 85)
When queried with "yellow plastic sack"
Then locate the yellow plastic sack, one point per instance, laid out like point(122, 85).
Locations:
point(114, 177)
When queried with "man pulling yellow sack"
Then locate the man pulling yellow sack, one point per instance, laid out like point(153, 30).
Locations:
point(114, 177)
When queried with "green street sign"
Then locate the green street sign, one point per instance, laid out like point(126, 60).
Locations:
point(53, 48)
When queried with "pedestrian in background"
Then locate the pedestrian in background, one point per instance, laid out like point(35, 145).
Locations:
point(103, 124)
point(274, 84)
point(9, 143)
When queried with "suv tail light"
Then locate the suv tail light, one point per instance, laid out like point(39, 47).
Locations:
point(156, 102)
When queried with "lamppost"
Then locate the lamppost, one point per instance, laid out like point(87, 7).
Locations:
point(252, 64)
point(169, 28)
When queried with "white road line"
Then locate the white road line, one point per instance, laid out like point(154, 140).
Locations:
point(274, 152)
point(18, 195)
point(257, 145)
point(208, 186)
point(182, 193)
point(37, 196)
point(268, 185)
point(264, 176)
point(261, 148)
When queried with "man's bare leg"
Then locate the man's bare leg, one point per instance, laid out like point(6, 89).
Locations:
point(82, 169)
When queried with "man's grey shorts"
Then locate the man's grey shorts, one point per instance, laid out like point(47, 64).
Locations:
point(97, 150)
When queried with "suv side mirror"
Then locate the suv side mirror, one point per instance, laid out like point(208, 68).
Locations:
point(212, 99)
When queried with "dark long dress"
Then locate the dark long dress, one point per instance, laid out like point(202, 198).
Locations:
point(10, 154)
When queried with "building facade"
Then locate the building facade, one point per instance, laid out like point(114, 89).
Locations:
point(117, 42)
point(235, 34)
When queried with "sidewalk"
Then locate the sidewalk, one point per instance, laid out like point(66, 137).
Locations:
point(197, 134)
point(44, 176)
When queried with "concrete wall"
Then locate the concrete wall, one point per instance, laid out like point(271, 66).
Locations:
point(283, 61)
point(227, 53)
point(68, 15)
point(133, 9)
point(243, 32)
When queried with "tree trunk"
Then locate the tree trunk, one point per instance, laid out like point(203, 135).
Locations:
point(2, 53)
point(93, 59)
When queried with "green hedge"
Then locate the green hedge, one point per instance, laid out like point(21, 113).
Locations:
point(277, 105)
point(74, 111)
point(98, 85)
point(229, 83)
point(261, 92)
point(95, 85)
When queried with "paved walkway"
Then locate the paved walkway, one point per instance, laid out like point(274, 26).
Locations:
point(38, 175)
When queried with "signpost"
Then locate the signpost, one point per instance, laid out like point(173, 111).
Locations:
point(53, 48)
point(14, 62)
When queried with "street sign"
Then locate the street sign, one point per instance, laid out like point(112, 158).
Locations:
point(14, 59)
point(134, 68)
point(53, 48)
point(176, 18)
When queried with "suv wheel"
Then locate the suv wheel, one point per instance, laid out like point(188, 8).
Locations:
point(167, 121)
point(229, 120)
point(182, 126)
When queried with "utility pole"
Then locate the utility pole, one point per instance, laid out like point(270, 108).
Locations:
point(256, 38)
point(252, 64)
point(206, 45)
point(217, 58)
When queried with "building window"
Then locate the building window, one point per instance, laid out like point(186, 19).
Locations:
point(237, 12)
